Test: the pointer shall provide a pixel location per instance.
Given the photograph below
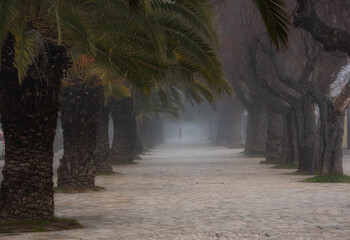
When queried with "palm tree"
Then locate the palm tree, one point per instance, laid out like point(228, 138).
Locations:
point(103, 164)
point(124, 137)
point(80, 114)
point(82, 104)
point(32, 65)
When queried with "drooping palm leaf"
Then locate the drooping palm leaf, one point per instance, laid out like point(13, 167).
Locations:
point(8, 11)
point(275, 19)
point(202, 24)
point(26, 48)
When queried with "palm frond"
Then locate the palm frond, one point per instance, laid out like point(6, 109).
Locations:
point(56, 8)
point(198, 21)
point(275, 19)
point(26, 48)
point(199, 87)
point(78, 31)
point(8, 11)
point(119, 91)
point(136, 5)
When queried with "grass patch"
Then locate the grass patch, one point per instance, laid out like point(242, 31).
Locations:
point(329, 179)
point(55, 224)
point(288, 166)
point(78, 189)
point(316, 172)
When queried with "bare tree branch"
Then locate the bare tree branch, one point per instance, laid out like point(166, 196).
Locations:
point(333, 39)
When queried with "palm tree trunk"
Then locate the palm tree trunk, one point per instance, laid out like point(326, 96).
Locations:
point(139, 149)
point(123, 146)
point(81, 110)
point(103, 163)
point(306, 125)
point(274, 138)
point(332, 130)
point(256, 129)
point(29, 116)
point(146, 133)
point(290, 140)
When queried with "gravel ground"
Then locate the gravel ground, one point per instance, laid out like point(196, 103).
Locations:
point(191, 190)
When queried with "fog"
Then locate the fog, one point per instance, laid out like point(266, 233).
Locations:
point(186, 130)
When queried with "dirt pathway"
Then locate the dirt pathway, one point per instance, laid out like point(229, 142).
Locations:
point(192, 190)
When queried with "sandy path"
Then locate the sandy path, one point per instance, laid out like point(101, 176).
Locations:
point(196, 191)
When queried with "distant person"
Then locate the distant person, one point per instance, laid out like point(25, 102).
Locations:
point(180, 133)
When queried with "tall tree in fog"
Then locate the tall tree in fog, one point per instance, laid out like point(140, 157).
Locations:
point(103, 165)
point(334, 36)
point(124, 135)
point(292, 93)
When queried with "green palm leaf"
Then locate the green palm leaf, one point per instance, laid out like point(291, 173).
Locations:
point(275, 19)
point(8, 11)
point(27, 46)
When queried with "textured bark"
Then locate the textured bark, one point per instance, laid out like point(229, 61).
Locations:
point(146, 133)
point(256, 129)
point(333, 39)
point(139, 149)
point(332, 113)
point(332, 128)
point(274, 137)
point(102, 161)
point(290, 152)
point(305, 118)
point(81, 110)
point(341, 102)
point(333, 159)
point(123, 146)
point(29, 116)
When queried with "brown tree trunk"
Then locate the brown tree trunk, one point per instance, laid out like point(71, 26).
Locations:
point(29, 116)
point(305, 118)
point(290, 140)
point(123, 146)
point(332, 127)
point(81, 110)
point(332, 114)
point(274, 144)
point(102, 161)
point(256, 129)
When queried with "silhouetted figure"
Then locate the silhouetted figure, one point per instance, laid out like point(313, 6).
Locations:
point(180, 133)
